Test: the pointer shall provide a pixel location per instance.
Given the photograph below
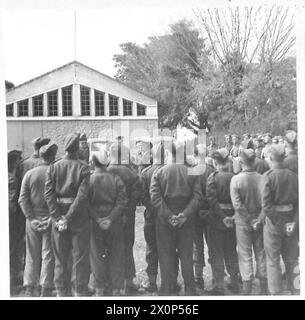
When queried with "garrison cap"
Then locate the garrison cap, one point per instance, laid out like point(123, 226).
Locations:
point(83, 137)
point(49, 149)
point(247, 155)
point(72, 142)
point(14, 153)
point(291, 136)
point(40, 141)
point(220, 154)
point(277, 151)
point(101, 156)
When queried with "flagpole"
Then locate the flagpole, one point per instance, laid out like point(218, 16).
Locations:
point(75, 35)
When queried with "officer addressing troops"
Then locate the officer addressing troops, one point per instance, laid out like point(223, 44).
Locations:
point(66, 194)
point(108, 200)
point(280, 206)
point(39, 255)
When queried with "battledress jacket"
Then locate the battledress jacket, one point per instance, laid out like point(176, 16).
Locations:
point(68, 178)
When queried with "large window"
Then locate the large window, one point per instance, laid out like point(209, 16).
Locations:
point(23, 108)
point(113, 105)
point(127, 107)
point(141, 109)
point(99, 103)
point(85, 100)
point(10, 110)
point(66, 94)
point(38, 106)
point(52, 103)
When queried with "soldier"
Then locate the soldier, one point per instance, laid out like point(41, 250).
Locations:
point(203, 171)
point(32, 161)
point(291, 159)
point(236, 148)
point(212, 145)
point(221, 230)
point(228, 142)
point(268, 144)
point(83, 152)
point(246, 200)
point(175, 194)
point(108, 199)
point(280, 206)
point(39, 256)
point(119, 165)
point(259, 147)
point(66, 194)
point(15, 227)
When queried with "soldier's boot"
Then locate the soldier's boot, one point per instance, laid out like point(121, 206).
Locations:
point(99, 292)
point(29, 291)
point(233, 286)
point(130, 287)
point(151, 285)
point(247, 288)
point(46, 292)
point(263, 287)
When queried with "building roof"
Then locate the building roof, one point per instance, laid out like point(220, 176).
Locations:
point(83, 65)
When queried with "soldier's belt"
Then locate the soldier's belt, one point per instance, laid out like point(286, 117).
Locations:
point(283, 208)
point(65, 200)
point(226, 206)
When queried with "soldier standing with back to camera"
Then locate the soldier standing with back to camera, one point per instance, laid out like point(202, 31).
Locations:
point(221, 229)
point(280, 206)
point(108, 200)
point(119, 165)
point(39, 261)
point(175, 194)
point(246, 199)
point(291, 159)
point(66, 193)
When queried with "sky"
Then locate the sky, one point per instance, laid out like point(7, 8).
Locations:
point(38, 41)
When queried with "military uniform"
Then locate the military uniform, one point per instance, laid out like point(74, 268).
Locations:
point(133, 189)
point(246, 199)
point(108, 199)
point(39, 256)
point(203, 171)
point(222, 240)
point(291, 161)
point(174, 191)
point(260, 166)
point(66, 193)
point(280, 206)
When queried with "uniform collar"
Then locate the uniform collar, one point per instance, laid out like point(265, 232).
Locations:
point(71, 156)
point(278, 166)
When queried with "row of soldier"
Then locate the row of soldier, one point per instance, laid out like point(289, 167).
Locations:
point(79, 223)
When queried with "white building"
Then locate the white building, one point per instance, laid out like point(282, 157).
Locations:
point(75, 98)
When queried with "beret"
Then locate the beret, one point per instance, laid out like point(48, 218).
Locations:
point(101, 156)
point(277, 151)
point(14, 153)
point(48, 149)
point(247, 155)
point(72, 142)
point(40, 141)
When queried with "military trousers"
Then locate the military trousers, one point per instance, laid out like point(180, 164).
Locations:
point(198, 250)
point(73, 242)
point(129, 238)
point(222, 250)
point(39, 261)
point(278, 244)
point(151, 250)
point(249, 241)
point(107, 256)
point(171, 241)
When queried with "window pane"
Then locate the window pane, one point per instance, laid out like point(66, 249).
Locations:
point(141, 109)
point(99, 103)
point(52, 103)
point(67, 101)
point(127, 107)
point(23, 108)
point(85, 100)
point(10, 110)
point(38, 106)
point(113, 105)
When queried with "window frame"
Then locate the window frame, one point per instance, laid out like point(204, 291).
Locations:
point(11, 109)
point(49, 94)
point(126, 114)
point(34, 99)
point(139, 105)
point(85, 110)
point(27, 107)
point(98, 111)
point(111, 106)
point(67, 112)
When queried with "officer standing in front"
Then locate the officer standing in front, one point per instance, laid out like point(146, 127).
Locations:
point(39, 263)
point(280, 206)
point(66, 193)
